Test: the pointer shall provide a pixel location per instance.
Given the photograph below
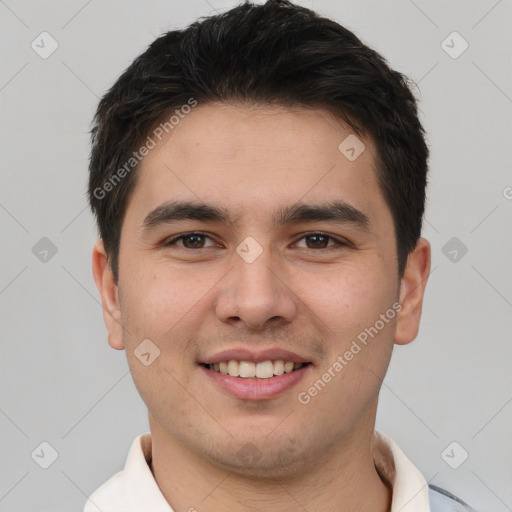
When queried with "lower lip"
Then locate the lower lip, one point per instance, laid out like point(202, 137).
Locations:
point(256, 389)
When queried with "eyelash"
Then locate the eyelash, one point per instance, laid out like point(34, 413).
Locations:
point(339, 243)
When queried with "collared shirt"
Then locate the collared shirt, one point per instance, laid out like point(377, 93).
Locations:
point(135, 489)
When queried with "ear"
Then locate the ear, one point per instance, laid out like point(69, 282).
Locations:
point(109, 295)
point(412, 289)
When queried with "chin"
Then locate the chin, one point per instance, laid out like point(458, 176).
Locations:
point(268, 463)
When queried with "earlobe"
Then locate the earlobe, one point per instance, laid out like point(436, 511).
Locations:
point(109, 293)
point(412, 289)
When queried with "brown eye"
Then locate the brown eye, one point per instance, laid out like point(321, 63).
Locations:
point(189, 241)
point(320, 241)
point(194, 240)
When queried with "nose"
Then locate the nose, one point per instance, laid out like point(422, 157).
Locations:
point(256, 293)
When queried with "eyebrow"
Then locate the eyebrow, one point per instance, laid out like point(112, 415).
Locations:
point(333, 211)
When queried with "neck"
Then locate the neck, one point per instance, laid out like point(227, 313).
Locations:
point(344, 479)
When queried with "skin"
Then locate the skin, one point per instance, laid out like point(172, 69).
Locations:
point(191, 302)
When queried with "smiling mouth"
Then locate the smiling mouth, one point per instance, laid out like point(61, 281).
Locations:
point(255, 371)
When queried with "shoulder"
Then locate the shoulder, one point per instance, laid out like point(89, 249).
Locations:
point(109, 497)
point(444, 501)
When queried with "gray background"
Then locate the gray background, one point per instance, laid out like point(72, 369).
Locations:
point(62, 383)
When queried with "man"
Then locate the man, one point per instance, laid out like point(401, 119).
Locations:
point(259, 184)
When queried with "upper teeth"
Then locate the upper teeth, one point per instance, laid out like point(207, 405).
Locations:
point(248, 369)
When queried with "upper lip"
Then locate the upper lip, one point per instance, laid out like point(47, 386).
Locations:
point(243, 354)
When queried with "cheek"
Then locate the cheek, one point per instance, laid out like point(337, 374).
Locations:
point(159, 296)
point(165, 304)
point(350, 297)
point(349, 304)
point(159, 307)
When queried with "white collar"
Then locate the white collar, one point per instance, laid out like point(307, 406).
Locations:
point(135, 488)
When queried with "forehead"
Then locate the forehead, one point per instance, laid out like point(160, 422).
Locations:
point(256, 159)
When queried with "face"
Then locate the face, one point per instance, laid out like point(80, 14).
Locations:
point(258, 285)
